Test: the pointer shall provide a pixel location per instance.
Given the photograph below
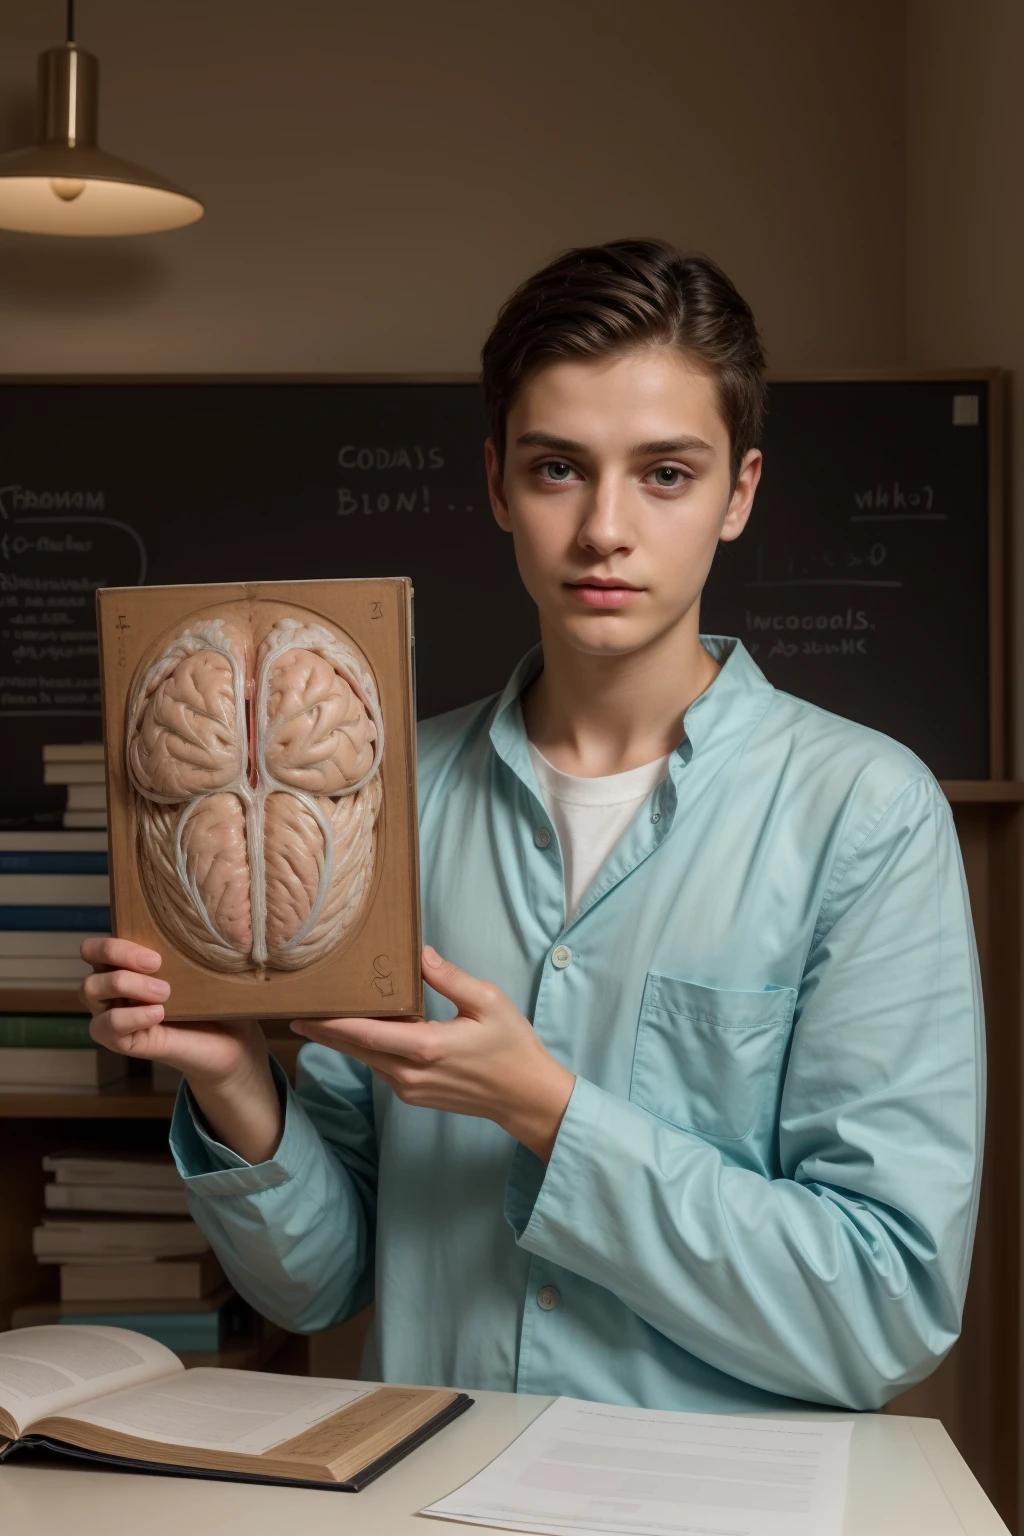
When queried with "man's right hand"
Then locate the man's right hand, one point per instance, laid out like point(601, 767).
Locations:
point(227, 1064)
point(126, 999)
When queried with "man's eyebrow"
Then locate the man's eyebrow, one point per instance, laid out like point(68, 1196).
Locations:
point(685, 444)
point(545, 440)
point(672, 445)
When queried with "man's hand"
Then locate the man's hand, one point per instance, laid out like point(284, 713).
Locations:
point(487, 1062)
point(227, 1064)
point(126, 1000)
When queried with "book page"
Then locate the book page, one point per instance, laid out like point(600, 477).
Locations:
point(617, 1471)
point(216, 1409)
point(46, 1369)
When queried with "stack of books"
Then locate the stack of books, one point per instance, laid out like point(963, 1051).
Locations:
point(79, 765)
point(51, 1052)
point(117, 1224)
point(54, 893)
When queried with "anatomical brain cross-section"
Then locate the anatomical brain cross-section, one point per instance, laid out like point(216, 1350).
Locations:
point(254, 742)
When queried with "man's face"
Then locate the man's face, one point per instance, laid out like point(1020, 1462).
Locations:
point(616, 493)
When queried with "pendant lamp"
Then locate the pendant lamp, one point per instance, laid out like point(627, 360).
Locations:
point(65, 184)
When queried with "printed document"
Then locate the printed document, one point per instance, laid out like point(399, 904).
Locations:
point(592, 1467)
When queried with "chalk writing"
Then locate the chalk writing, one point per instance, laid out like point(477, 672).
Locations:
point(848, 619)
point(18, 498)
point(833, 567)
point(353, 457)
point(898, 497)
point(846, 647)
point(51, 563)
point(369, 502)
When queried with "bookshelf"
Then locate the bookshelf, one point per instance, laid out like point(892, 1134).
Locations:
point(40, 999)
point(133, 1099)
point(128, 1115)
point(244, 1354)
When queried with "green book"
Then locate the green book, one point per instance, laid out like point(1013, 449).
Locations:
point(45, 1029)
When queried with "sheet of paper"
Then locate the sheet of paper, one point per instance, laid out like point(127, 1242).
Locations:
point(222, 1410)
point(595, 1468)
point(49, 1367)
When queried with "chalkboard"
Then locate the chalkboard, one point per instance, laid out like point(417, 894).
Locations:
point(862, 582)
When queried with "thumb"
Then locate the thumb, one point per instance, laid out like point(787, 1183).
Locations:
point(468, 993)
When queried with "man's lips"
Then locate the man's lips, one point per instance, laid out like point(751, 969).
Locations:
point(603, 593)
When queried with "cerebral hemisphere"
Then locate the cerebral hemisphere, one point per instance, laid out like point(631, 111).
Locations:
point(254, 745)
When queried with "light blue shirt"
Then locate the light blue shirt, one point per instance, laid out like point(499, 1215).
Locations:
point(766, 1181)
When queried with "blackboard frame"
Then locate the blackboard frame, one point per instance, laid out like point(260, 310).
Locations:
point(1000, 744)
point(994, 378)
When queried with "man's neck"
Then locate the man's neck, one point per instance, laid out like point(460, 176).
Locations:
point(595, 715)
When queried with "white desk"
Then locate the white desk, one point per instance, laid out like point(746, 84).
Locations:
point(906, 1479)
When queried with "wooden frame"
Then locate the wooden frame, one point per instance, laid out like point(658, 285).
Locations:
point(999, 703)
point(375, 968)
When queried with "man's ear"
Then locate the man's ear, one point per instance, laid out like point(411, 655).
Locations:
point(742, 499)
point(495, 487)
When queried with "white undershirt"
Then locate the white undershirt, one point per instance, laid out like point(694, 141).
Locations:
point(590, 815)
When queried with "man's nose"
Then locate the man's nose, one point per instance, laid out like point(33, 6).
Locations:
point(607, 524)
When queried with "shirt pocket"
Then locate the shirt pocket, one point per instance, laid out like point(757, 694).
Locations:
point(706, 1058)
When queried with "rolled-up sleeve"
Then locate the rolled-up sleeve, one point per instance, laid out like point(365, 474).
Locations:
point(842, 1279)
point(295, 1234)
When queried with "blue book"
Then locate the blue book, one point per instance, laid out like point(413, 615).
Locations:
point(55, 919)
point(184, 1332)
point(14, 862)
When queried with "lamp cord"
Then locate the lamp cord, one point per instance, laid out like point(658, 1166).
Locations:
point(71, 21)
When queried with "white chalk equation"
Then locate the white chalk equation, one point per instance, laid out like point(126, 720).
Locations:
point(841, 632)
point(369, 502)
point(56, 548)
point(893, 502)
point(360, 456)
point(386, 497)
point(863, 566)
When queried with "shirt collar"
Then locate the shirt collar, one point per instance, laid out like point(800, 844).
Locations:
point(722, 716)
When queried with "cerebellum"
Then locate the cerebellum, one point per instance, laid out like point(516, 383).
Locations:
point(253, 747)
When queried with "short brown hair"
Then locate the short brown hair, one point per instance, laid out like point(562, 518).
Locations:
point(601, 299)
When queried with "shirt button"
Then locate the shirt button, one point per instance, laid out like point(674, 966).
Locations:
point(561, 957)
point(548, 1298)
point(542, 837)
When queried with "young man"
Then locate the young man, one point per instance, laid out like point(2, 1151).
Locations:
point(695, 1119)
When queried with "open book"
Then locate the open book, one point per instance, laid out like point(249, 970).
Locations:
point(115, 1396)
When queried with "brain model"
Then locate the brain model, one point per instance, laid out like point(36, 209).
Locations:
point(253, 745)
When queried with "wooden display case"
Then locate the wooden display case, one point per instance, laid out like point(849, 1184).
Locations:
point(202, 752)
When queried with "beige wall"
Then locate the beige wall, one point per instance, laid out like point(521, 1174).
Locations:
point(965, 214)
point(965, 231)
point(379, 173)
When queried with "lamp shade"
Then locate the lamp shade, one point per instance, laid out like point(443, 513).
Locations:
point(65, 184)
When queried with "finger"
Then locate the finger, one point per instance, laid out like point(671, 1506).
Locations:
point(393, 1071)
point(469, 993)
point(103, 986)
point(415, 1040)
point(116, 1028)
point(119, 952)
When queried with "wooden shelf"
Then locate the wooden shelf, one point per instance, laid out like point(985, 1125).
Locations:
point(14, 999)
point(242, 1354)
point(983, 791)
point(130, 1100)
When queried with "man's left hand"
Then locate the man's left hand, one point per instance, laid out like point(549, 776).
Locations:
point(487, 1062)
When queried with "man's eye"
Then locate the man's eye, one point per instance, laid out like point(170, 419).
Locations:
point(668, 477)
point(555, 469)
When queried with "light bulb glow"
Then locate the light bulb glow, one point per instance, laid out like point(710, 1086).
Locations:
point(66, 188)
